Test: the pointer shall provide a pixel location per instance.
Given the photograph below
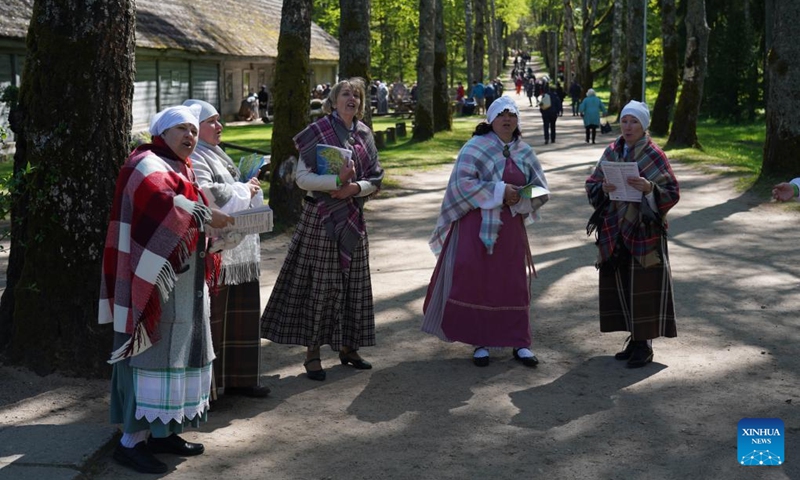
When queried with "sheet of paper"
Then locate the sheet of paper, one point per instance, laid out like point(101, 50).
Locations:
point(617, 174)
point(533, 191)
point(246, 222)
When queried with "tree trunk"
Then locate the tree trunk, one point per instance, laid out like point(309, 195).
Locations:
point(354, 45)
point(618, 65)
point(479, 47)
point(494, 44)
point(585, 77)
point(291, 108)
point(423, 114)
point(469, 40)
point(684, 128)
point(635, 27)
point(659, 121)
point(570, 42)
point(442, 116)
point(783, 103)
point(80, 57)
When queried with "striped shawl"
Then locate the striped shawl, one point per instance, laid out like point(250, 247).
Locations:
point(628, 221)
point(154, 227)
point(478, 169)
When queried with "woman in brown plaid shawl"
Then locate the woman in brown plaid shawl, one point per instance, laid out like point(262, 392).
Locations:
point(323, 293)
point(635, 276)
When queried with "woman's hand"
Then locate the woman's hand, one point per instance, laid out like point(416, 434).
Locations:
point(511, 195)
point(254, 186)
point(347, 172)
point(608, 187)
point(219, 219)
point(783, 192)
point(346, 191)
point(642, 184)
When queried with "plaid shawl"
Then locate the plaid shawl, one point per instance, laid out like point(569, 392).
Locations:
point(154, 227)
point(478, 168)
point(343, 219)
point(625, 219)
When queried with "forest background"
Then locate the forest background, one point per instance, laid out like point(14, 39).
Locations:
point(734, 61)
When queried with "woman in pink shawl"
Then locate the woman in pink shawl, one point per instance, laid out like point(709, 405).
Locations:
point(479, 293)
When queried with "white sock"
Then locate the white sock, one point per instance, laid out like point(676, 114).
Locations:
point(524, 353)
point(129, 440)
point(481, 352)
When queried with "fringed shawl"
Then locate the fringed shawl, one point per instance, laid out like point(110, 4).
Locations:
point(343, 219)
point(625, 220)
point(156, 220)
point(478, 168)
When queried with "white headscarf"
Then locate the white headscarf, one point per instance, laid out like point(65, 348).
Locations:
point(206, 109)
point(174, 116)
point(638, 110)
point(499, 106)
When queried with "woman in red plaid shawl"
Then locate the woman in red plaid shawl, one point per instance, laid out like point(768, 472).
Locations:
point(154, 291)
point(635, 277)
point(323, 293)
point(479, 293)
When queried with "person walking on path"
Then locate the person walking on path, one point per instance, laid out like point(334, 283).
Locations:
point(590, 110)
point(575, 95)
point(479, 293)
point(549, 107)
point(530, 85)
point(323, 293)
point(236, 305)
point(154, 289)
point(635, 289)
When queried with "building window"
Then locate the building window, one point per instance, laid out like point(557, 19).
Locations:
point(245, 83)
point(228, 85)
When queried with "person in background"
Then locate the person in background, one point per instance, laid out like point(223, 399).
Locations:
point(590, 109)
point(489, 94)
point(575, 95)
point(478, 94)
point(530, 85)
point(154, 288)
point(479, 293)
point(236, 305)
point(263, 103)
point(635, 289)
point(323, 293)
point(549, 107)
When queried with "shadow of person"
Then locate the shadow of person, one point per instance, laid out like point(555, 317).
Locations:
point(587, 389)
point(429, 387)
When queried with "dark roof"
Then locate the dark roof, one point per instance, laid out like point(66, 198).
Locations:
point(243, 28)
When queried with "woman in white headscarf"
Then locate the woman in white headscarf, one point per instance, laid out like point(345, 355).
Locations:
point(236, 305)
point(635, 277)
point(479, 293)
point(154, 289)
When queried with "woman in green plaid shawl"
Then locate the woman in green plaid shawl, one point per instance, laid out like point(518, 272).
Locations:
point(635, 276)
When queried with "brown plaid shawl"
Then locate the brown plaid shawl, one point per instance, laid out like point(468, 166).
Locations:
point(343, 219)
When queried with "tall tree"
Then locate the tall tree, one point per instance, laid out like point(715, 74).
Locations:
point(354, 44)
point(423, 113)
point(570, 41)
point(635, 40)
point(470, 33)
point(783, 103)
point(291, 106)
point(442, 116)
point(684, 127)
point(75, 47)
point(494, 41)
point(479, 46)
point(618, 59)
point(659, 123)
point(588, 19)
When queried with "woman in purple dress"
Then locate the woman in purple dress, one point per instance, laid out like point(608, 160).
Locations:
point(479, 293)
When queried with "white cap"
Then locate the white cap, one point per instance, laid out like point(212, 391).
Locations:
point(174, 116)
point(638, 110)
point(206, 109)
point(501, 105)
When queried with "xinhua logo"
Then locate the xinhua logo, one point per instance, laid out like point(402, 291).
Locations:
point(760, 441)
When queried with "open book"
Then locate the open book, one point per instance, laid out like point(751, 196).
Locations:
point(532, 191)
point(330, 159)
point(617, 174)
point(249, 165)
point(246, 222)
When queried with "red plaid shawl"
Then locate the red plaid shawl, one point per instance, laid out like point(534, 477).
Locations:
point(155, 225)
point(624, 219)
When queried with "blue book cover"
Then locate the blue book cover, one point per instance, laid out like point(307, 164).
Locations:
point(330, 159)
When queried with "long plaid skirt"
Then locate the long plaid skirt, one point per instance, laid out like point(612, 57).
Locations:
point(636, 299)
point(314, 302)
point(235, 331)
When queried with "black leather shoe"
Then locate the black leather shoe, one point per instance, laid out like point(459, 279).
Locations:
point(527, 361)
point(139, 458)
point(175, 445)
point(626, 353)
point(480, 361)
point(642, 355)
point(358, 363)
point(318, 375)
point(256, 391)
